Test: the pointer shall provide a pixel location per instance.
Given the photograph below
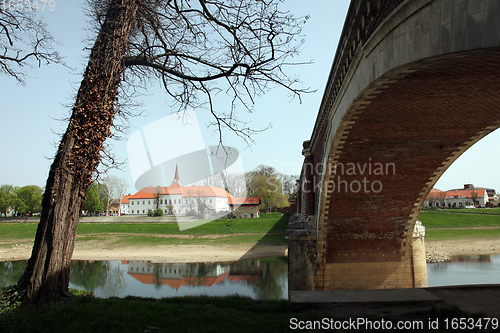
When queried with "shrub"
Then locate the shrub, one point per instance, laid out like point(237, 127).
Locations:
point(191, 212)
point(158, 212)
point(150, 212)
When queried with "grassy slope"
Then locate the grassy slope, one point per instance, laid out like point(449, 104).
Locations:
point(271, 225)
point(452, 219)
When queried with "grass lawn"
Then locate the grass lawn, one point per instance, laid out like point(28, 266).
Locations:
point(271, 222)
point(270, 228)
point(437, 234)
point(446, 219)
point(187, 314)
point(473, 211)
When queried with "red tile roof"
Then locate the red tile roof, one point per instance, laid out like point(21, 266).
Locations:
point(244, 201)
point(177, 283)
point(190, 191)
point(464, 193)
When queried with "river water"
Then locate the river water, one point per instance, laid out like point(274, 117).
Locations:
point(259, 279)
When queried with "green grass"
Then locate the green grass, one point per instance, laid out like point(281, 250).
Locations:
point(274, 221)
point(448, 234)
point(473, 211)
point(268, 229)
point(185, 314)
point(17, 230)
point(445, 219)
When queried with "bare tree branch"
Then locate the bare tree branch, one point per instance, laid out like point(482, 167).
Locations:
point(24, 42)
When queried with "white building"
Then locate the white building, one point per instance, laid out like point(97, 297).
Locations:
point(460, 198)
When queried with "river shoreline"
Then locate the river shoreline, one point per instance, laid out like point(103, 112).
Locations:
point(100, 250)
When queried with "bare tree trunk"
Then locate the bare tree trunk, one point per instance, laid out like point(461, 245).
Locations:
point(47, 274)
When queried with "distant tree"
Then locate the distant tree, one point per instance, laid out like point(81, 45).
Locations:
point(289, 185)
point(93, 202)
point(18, 204)
point(263, 182)
point(112, 189)
point(473, 197)
point(31, 196)
point(7, 198)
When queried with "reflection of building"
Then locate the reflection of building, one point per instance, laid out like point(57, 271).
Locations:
point(245, 270)
point(181, 200)
point(178, 275)
point(468, 196)
point(193, 274)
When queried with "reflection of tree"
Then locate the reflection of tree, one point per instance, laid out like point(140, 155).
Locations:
point(270, 286)
point(89, 275)
point(10, 272)
point(158, 279)
point(115, 280)
point(92, 275)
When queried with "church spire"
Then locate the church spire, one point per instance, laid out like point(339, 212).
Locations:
point(176, 177)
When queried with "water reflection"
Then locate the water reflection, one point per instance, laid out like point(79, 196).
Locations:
point(461, 270)
point(10, 272)
point(259, 279)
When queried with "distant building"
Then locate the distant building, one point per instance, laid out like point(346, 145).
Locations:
point(181, 200)
point(245, 207)
point(465, 197)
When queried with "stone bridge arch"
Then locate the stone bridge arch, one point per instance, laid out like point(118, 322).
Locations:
point(414, 84)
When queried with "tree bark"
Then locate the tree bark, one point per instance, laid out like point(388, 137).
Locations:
point(47, 275)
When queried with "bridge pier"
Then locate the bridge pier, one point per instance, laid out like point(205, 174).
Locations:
point(306, 272)
point(302, 247)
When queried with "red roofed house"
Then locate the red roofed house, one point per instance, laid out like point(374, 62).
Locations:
point(460, 197)
point(179, 200)
point(245, 207)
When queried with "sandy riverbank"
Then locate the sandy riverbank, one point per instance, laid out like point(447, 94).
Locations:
point(100, 250)
point(463, 247)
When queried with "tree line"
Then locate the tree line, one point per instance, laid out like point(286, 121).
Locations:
point(101, 195)
point(20, 200)
point(274, 189)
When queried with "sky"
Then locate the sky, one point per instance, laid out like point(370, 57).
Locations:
point(30, 122)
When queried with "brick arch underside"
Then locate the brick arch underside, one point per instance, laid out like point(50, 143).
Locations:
point(420, 123)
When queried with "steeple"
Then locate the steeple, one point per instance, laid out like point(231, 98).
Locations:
point(176, 177)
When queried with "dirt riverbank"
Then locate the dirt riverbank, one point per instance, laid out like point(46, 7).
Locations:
point(106, 250)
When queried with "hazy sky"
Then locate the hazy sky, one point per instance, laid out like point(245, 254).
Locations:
point(30, 113)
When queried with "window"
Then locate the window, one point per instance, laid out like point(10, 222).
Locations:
point(251, 209)
point(175, 201)
point(149, 202)
point(210, 200)
point(170, 201)
point(132, 202)
point(161, 201)
point(132, 211)
point(143, 202)
point(143, 211)
point(242, 209)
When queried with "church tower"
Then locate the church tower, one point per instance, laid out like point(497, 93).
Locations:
point(176, 177)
